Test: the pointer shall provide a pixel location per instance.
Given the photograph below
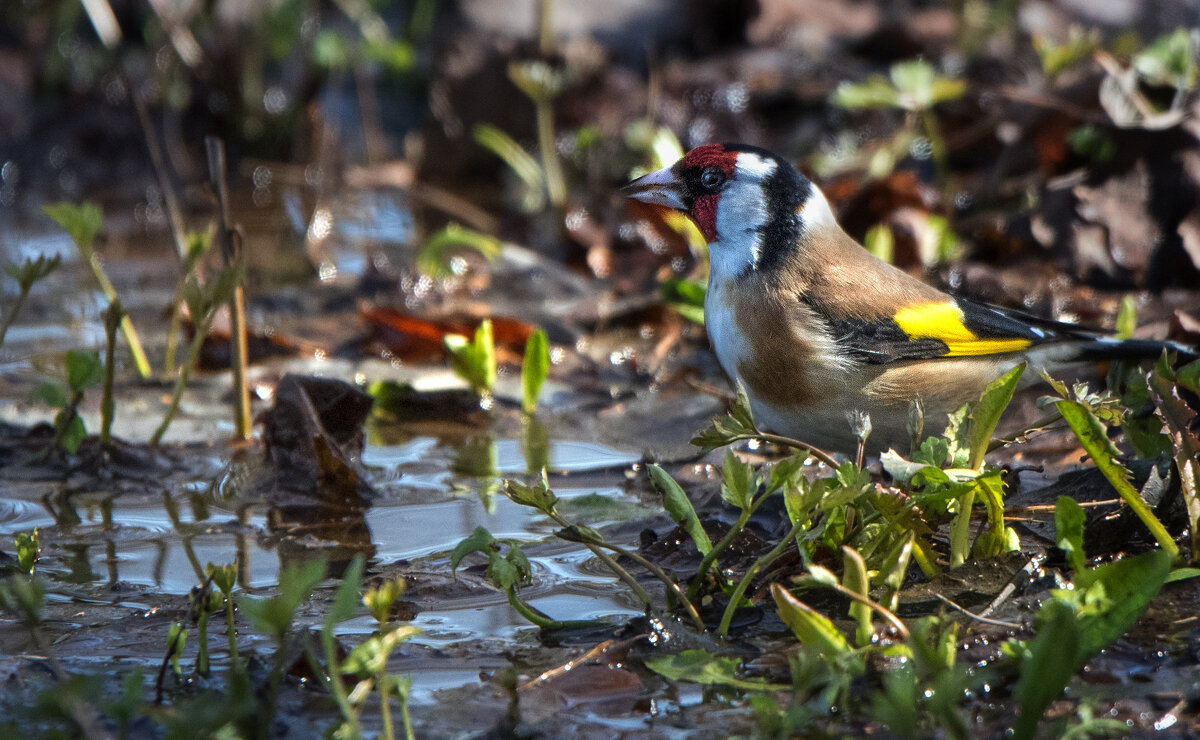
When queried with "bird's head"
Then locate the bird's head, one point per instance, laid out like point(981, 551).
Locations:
point(752, 206)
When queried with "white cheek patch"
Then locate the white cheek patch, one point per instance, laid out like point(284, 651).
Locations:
point(741, 212)
point(753, 167)
point(816, 211)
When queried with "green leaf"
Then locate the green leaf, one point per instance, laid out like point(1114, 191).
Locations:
point(1179, 420)
point(1127, 317)
point(346, 598)
point(380, 599)
point(737, 422)
point(679, 507)
point(32, 270)
point(874, 93)
point(296, 583)
point(1091, 434)
point(523, 164)
point(395, 54)
point(534, 370)
point(1169, 60)
point(986, 413)
point(503, 573)
point(369, 658)
point(176, 639)
point(1182, 574)
point(914, 81)
point(75, 433)
point(900, 469)
point(539, 497)
point(1095, 143)
point(224, 577)
point(958, 446)
point(84, 370)
point(51, 394)
point(1115, 595)
point(474, 360)
point(685, 297)
point(1056, 58)
point(855, 579)
point(81, 221)
point(27, 547)
point(517, 557)
point(738, 481)
point(699, 666)
point(479, 540)
point(1050, 663)
point(436, 256)
point(1188, 376)
point(1069, 519)
point(809, 626)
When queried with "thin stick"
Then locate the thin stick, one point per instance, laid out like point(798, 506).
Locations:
point(231, 249)
point(976, 617)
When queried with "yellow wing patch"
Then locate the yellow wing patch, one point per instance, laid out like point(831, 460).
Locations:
point(944, 321)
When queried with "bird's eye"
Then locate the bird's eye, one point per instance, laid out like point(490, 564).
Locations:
point(712, 178)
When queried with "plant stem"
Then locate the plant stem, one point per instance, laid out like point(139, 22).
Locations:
point(12, 315)
point(937, 144)
point(528, 612)
point(184, 373)
point(816, 452)
point(230, 628)
point(385, 709)
point(740, 591)
point(405, 719)
point(612, 565)
point(202, 657)
point(131, 335)
point(662, 576)
point(231, 250)
point(960, 529)
point(718, 547)
point(68, 415)
point(107, 404)
point(556, 188)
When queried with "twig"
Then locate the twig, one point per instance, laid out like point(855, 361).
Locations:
point(231, 250)
point(976, 617)
point(170, 200)
point(611, 564)
point(816, 452)
point(662, 576)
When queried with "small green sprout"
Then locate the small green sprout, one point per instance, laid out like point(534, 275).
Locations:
point(83, 222)
point(26, 274)
point(475, 360)
point(534, 370)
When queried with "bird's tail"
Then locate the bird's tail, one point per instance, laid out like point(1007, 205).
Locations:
point(1111, 348)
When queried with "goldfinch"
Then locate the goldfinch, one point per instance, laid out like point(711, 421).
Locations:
point(813, 326)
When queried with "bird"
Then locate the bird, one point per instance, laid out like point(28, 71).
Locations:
point(816, 328)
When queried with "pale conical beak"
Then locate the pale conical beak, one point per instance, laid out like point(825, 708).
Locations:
point(660, 187)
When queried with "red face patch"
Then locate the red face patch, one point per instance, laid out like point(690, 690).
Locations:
point(711, 155)
point(704, 207)
point(704, 213)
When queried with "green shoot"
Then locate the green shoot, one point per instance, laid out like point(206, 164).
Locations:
point(26, 274)
point(436, 258)
point(83, 222)
point(84, 370)
point(224, 577)
point(475, 360)
point(534, 370)
point(203, 302)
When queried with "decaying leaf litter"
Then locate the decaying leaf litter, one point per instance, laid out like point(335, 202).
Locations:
point(1043, 158)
